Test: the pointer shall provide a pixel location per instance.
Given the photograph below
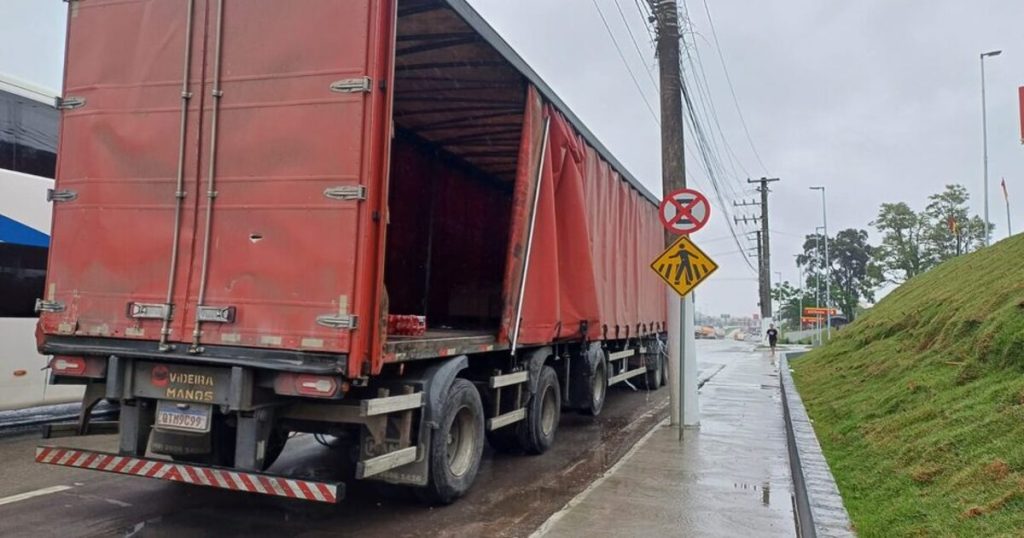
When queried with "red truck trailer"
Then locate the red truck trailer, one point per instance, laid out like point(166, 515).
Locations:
point(248, 190)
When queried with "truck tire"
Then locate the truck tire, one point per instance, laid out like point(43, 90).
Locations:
point(598, 389)
point(655, 377)
point(457, 445)
point(537, 432)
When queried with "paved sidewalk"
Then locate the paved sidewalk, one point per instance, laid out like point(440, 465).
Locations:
point(729, 478)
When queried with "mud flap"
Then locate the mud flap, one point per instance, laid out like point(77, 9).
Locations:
point(582, 371)
point(136, 423)
point(434, 382)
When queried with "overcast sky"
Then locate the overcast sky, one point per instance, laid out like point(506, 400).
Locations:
point(877, 100)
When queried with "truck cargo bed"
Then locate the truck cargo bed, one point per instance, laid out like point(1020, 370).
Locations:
point(440, 343)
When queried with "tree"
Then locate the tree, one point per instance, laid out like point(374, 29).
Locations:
point(902, 254)
point(791, 300)
point(851, 274)
point(951, 231)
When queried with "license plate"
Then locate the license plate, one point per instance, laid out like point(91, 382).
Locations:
point(190, 417)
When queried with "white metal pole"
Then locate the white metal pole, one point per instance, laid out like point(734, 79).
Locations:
point(819, 232)
point(691, 407)
point(674, 369)
point(984, 144)
point(828, 287)
point(984, 137)
point(800, 312)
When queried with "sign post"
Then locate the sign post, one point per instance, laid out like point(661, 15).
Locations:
point(683, 266)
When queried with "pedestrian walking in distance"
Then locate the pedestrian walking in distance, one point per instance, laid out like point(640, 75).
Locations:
point(773, 337)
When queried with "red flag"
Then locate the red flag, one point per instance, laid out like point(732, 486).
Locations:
point(1021, 90)
point(1006, 195)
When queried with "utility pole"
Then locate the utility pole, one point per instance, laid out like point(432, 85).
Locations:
point(765, 276)
point(760, 272)
point(681, 345)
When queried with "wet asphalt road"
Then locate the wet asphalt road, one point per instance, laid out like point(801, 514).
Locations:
point(513, 494)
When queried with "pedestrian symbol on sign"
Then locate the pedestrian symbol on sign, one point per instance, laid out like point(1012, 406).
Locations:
point(683, 266)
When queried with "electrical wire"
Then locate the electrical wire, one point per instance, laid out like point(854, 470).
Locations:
point(636, 45)
point(732, 89)
point(646, 15)
point(622, 57)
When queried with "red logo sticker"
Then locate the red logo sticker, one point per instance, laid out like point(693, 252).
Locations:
point(160, 376)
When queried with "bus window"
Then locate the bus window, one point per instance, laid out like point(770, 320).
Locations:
point(22, 277)
point(28, 135)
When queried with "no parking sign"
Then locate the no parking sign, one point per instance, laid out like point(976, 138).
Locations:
point(684, 211)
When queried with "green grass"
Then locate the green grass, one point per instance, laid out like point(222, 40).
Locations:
point(919, 405)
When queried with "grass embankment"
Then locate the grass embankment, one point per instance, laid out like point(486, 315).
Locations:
point(919, 405)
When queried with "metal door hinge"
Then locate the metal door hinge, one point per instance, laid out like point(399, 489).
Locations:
point(216, 314)
point(70, 103)
point(346, 192)
point(63, 195)
point(352, 85)
point(335, 321)
point(149, 311)
point(49, 306)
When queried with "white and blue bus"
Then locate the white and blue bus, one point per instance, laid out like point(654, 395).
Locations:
point(28, 155)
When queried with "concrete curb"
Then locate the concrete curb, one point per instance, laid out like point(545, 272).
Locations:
point(817, 502)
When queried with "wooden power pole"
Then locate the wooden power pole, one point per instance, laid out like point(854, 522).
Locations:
point(681, 345)
point(764, 276)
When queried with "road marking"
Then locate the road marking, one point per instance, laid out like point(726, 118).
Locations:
point(31, 494)
point(544, 528)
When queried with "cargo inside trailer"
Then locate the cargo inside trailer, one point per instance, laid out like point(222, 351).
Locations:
point(458, 112)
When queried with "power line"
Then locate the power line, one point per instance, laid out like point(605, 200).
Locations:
point(625, 63)
point(636, 45)
point(646, 15)
point(701, 74)
point(732, 90)
point(702, 146)
point(710, 110)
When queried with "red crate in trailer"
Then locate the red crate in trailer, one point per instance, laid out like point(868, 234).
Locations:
point(364, 218)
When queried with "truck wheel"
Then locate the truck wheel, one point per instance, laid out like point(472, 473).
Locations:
point(653, 378)
point(457, 445)
point(598, 389)
point(543, 413)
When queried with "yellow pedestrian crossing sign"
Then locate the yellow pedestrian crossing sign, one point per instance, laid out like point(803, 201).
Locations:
point(682, 266)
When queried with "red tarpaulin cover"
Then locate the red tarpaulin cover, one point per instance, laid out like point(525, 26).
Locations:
point(594, 238)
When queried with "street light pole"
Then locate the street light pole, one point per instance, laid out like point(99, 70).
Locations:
point(800, 312)
point(817, 283)
point(828, 291)
point(984, 136)
point(778, 286)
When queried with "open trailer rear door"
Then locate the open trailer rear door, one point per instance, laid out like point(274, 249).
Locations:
point(296, 148)
point(285, 143)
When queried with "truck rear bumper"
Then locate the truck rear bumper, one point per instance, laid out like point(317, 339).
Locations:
point(282, 360)
point(190, 473)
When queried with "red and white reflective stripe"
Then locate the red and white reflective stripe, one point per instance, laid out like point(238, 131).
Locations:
point(190, 474)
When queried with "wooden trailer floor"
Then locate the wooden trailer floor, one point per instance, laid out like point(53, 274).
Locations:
point(440, 343)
